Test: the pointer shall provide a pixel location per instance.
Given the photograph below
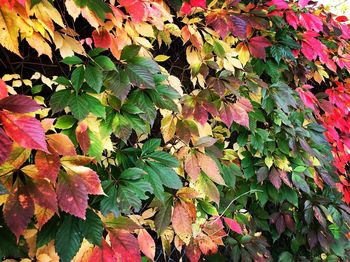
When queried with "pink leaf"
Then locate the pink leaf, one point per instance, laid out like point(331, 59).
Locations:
point(233, 225)
point(5, 146)
point(19, 104)
point(101, 38)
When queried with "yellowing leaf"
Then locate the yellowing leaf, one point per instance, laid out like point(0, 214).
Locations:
point(168, 127)
point(210, 168)
point(161, 58)
point(9, 30)
point(39, 44)
point(243, 53)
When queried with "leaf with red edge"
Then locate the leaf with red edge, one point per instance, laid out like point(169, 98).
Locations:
point(25, 130)
point(61, 144)
point(125, 246)
point(307, 97)
point(72, 195)
point(3, 89)
point(146, 244)
point(104, 253)
point(210, 168)
point(18, 210)
point(102, 38)
point(19, 104)
point(233, 225)
point(48, 165)
point(257, 46)
point(81, 132)
point(193, 253)
point(5, 146)
point(43, 194)
point(192, 166)
point(206, 244)
point(182, 222)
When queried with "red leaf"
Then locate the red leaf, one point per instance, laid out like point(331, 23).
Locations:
point(280, 4)
point(5, 146)
point(292, 19)
point(19, 104)
point(274, 178)
point(193, 253)
point(61, 144)
point(83, 137)
point(101, 38)
point(186, 8)
point(72, 195)
point(18, 210)
point(125, 246)
point(288, 220)
point(199, 3)
point(257, 46)
point(182, 222)
point(210, 168)
point(303, 3)
point(103, 254)
point(233, 225)
point(25, 130)
point(280, 225)
point(3, 89)
point(308, 98)
point(48, 165)
point(200, 114)
point(146, 244)
point(136, 8)
point(311, 22)
point(206, 244)
point(43, 194)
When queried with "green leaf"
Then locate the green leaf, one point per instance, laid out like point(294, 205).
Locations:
point(132, 173)
point(47, 233)
point(94, 105)
point(68, 238)
point(163, 216)
point(92, 228)
point(155, 182)
point(80, 3)
point(300, 183)
point(99, 7)
point(79, 107)
point(167, 175)
point(286, 257)
point(300, 169)
point(118, 82)
point(77, 78)
point(96, 51)
point(109, 202)
point(105, 62)
point(59, 100)
point(218, 49)
point(129, 52)
point(140, 76)
point(8, 244)
point(62, 81)
point(150, 146)
point(72, 60)
point(94, 77)
point(34, 2)
point(164, 158)
point(65, 122)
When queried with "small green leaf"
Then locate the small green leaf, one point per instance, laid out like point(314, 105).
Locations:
point(129, 52)
point(77, 78)
point(150, 146)
point(72, 60)
point(132, 173)
point(96, 51)
point(105, 62)
point(65, 122)
point(79, 107)
point(92, 228)
point(59, 100)
point(94, 77)
point(94, 105)
point(140, 76)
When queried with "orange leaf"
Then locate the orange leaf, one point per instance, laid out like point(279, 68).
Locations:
point(146, 244)
point(182, 222)
point(210, 168)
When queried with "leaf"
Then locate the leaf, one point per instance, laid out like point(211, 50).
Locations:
point(5, 146)
point(104, 253)
point(233, 225)
point(25, 130)
point(92, 228)
point(94, 77)
point(163, 217)
point(182, 222)
point(125, 246)
point(68, 239)
point(59, 100)
point(150, 145)
point(95, 106)
point(18, 210)
point(61, 144)
point(164, 158)
point(79, 107)
point(82, 135)
point(210, 168)
point(146, 243)
point(192, 167)
point(102, 38)
point(72, 60)
point(48, 165)
point(168, 176)
point(118, 82)
point(105, 62)
point(132, 173)
point(77, 78)
point(65, 122)
point(9, 30)
point(72, 194)
point(274, 178)
point(43, 194)
point(208, 188)
point(129, 52)
point(300, 183)
point(19, 104)
point(140, 76)
point(257, 46)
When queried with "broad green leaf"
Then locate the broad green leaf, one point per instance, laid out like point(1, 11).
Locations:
point(105, 62)
point(132, 173)
point(167, 175)
point(129, 52)
point(163, 216)
point(94, 77)
point(155, 182)
point(94, 105)
point(164, 158)
point(47, 232)
point(77, 78)
point(65, 122)
point(92, 228)
point(140, 76)
point(68, 238)
point(59, 100)
point(79, 107)
point(72, 60)
point(150, 145)
point(118, 82)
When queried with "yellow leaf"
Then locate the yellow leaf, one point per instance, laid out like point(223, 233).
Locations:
point(40, 45)
point(9, 30)
point(144, 29)
point(243, 53)
point(168, 127)
point(161, 58)
point(73, 10)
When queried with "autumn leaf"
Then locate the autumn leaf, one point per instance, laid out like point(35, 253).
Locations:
point(48, 165)
point(104, 253)
point(146, 243)
point(233, 225)
point(192, 167)
point(18, 210)
point(5, 146)
point(43, 194)
point(25, 130)
point(9, 36)
point(125, 246)
point(136, 8)
point(61, 144)
point(101, 38)
point(257, 46)
point(83, 138)
point(210, 168)
point(182, 222)
point(19, 104)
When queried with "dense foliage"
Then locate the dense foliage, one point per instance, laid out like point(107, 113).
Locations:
point(169, 130)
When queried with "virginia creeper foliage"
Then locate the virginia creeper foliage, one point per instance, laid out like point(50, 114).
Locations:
point(160, 130)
